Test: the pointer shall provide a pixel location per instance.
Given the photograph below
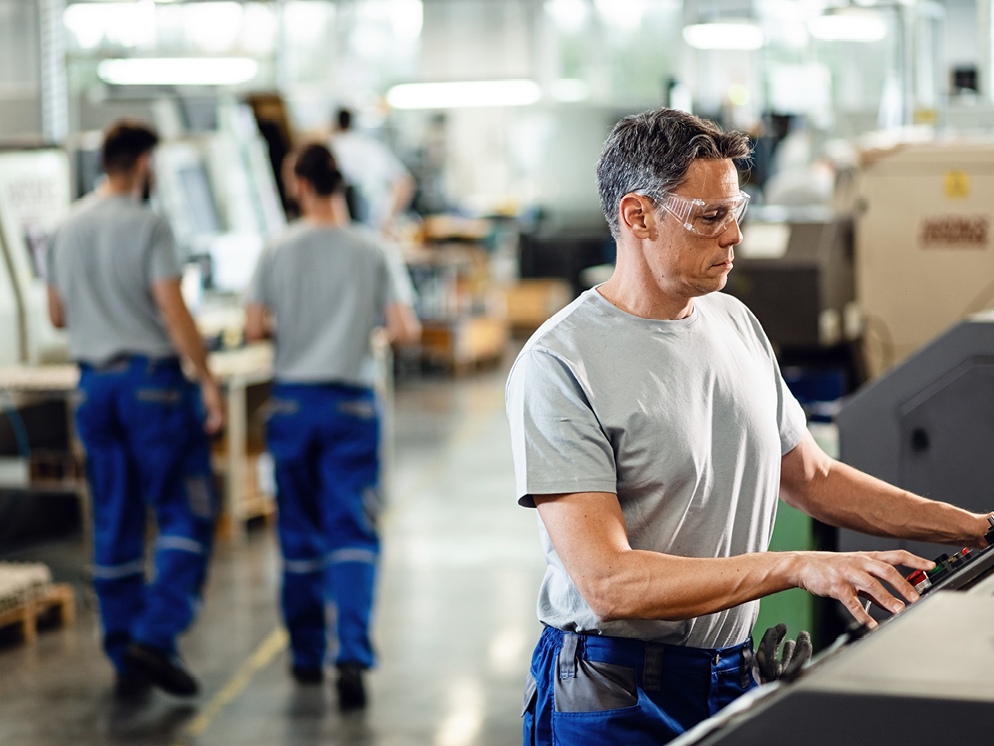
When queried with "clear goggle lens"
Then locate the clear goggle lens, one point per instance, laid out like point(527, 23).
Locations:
point(706, 218)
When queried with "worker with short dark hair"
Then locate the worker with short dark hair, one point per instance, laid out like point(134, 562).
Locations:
point(321, 290)
point(114, 284)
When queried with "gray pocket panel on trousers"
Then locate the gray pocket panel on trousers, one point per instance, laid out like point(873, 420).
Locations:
point(360, 408)
point(159, 396)
point(596, 687)
point(531, 692)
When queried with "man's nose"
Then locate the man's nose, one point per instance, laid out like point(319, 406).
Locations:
point(732, 235)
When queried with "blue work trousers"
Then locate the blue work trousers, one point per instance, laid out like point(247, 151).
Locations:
point(324, 440)
point(585, 689)
point(141, 423)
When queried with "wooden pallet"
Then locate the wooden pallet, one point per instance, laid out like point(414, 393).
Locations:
point(56, 595)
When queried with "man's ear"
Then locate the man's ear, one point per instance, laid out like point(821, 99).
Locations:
point(638, 215)
point(143, 164)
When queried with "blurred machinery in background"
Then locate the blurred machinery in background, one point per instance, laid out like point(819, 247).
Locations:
point(794, 270)
point(924, 258)
point(34, 198)
point(217, 187)
point(215, 183)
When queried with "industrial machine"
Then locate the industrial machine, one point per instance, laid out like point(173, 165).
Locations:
point(924, 258)
point(885, 685)
point(927, 425)
point(219, 192)
point(34, 198)
point(794, 270)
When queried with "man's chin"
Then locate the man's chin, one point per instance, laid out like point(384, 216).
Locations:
point(713, 284)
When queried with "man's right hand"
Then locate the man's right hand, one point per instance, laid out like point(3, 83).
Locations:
point(847, 576)
point(214, 404)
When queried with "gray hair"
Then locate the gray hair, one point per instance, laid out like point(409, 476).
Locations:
point(650, 154)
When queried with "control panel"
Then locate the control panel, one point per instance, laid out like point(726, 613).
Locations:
point(875, 686)
point(956, 571)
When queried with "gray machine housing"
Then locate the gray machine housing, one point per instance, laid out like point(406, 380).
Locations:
point(927, 426)
point(813, 276)
point(921, 678)
point(890, 688)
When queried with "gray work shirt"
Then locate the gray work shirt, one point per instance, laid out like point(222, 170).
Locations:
point(327, 289)
point(102, 261)
point(686, 421)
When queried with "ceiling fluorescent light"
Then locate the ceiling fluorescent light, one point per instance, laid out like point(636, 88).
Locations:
point(849, 26)
point(456, 95)
point(727, 35)
point(178, 71)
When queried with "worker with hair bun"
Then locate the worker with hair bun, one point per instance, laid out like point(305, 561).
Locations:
point(320, 291)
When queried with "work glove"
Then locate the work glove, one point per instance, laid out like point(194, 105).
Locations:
point(793, 656)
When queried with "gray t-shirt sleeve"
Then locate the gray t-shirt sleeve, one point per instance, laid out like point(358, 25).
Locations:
point(399, 288)
point(164, 263)
point(258, 288)
point(557, 442)
point(793, 424)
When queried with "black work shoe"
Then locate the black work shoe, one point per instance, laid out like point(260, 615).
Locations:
point(307, 675)
point(351, 693)
point(131, 686)
point(163, 669)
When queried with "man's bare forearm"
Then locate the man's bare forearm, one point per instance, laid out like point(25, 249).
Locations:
point(877, 508)
point(588, 532)
point(648, 585)
point(186, 337)
point(180, 327)
point(842, 496)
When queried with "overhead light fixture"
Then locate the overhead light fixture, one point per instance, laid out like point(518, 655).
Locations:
point(735, 35)
point(178, 71)
point(464, 94)
point(849, 25)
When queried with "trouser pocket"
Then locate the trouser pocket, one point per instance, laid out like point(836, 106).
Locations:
point(528, 703)
point(596, 702)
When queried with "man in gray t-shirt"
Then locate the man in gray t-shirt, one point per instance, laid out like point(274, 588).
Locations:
point(103, 263)
point(651, 428)
point(327, 287)
point(320, 291)
point(114, 284)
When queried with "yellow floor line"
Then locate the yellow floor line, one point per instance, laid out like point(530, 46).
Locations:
point(272, 646)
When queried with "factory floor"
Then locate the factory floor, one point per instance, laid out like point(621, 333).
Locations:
point(455, 620)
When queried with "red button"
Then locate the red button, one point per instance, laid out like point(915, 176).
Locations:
point(916, 577)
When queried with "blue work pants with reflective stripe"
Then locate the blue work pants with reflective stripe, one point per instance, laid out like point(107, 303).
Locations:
point(141, 423)
point(586, 689)
point(324, 440)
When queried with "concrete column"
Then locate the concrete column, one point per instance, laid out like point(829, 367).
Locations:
point(54, 88)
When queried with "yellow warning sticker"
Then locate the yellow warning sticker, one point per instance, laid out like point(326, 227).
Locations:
point(957, 184)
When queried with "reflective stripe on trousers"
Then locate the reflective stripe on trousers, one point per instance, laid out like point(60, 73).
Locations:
point(585, 689)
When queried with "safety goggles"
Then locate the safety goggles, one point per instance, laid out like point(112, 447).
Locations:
point(706, 218)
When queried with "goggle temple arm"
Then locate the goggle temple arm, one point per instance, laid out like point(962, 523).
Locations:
point(678, 207)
